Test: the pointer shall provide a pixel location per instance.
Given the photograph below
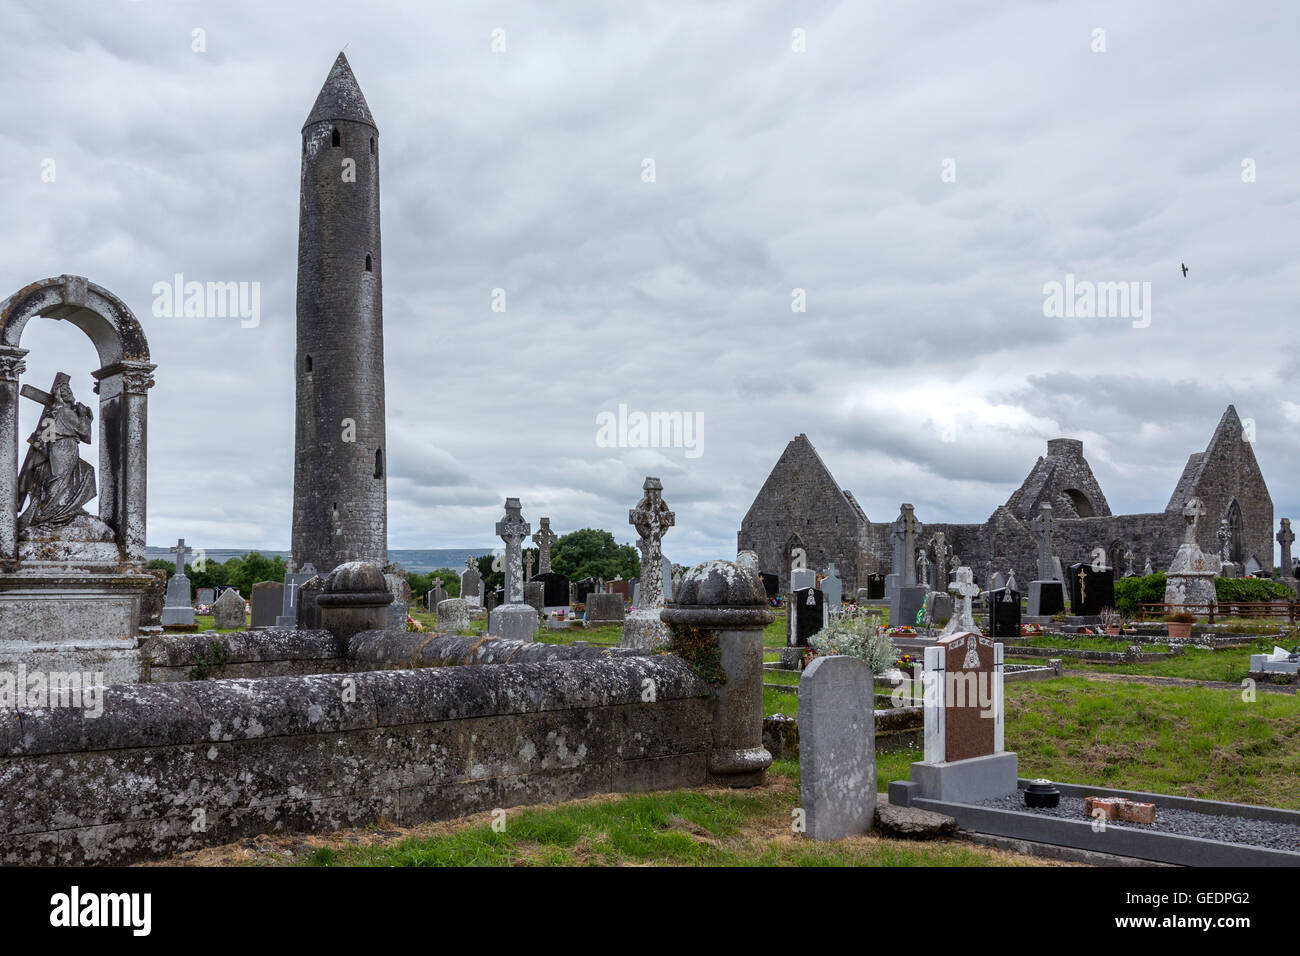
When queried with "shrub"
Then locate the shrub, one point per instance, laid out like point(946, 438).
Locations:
point(857, 637)
point(1130, 592)
point(1181, 617)
point(1229, 590)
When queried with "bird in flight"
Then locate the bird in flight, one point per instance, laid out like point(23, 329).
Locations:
point(1184, 270)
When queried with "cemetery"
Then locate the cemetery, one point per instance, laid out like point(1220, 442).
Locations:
point(1004, 692)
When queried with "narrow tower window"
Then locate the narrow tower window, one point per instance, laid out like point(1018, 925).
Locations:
point(336, 139)
point(309, 363)
point(369, 265)
point(379, 463)
point(372, 146)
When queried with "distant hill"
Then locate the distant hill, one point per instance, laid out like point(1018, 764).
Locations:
point(411, 559)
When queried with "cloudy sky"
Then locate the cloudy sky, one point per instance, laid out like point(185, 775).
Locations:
point(919, 170)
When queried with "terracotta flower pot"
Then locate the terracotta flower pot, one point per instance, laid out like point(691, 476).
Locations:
point(1180, 630)
point(1112, 632)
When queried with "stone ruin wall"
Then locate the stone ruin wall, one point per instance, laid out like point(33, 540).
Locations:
point(316, 753)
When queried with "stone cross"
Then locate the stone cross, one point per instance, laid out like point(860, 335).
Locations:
point(1044, 525)
point(544, 539)
point(181, 553)
point(940, 544)
point(896, 538)
point(1224, 534)
point(907, 514)
point(923, 568)
point(965, 590)
point(1128, 564)
point(652, 519)
point(513, 529)
point(1285, 537)
point(471, 564)
point(528, 566)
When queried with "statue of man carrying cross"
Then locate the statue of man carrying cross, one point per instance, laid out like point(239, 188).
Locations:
point(54, 481)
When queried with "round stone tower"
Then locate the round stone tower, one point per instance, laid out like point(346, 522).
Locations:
point(340, 499)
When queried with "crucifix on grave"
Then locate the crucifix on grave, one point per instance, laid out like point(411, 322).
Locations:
point(177, 608)
point(652, 519)
point(513, 529)
point(54, 480)
point(528, 565)
point(182, 553)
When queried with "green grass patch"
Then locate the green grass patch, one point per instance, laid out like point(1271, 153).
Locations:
point(1230, 664)
point(1194, 741)
point(1085, 642)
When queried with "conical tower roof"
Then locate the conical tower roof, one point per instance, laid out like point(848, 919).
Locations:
point(340, 98)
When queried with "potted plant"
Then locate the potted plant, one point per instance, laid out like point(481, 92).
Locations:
point(1180, 624)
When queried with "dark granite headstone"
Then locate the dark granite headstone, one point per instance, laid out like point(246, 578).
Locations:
point(268, 599)
point(495, 599)
point(1004, 612)
point(1091, 589)
point(875, 587)
point(771, 583)
point(807, 614)
point(556, 588)
point(621, 587)
point(1046, 598)
point(582, 588)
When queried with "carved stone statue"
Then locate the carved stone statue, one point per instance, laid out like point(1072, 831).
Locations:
point(55, 481)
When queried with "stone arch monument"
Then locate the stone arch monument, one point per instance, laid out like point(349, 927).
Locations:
point(66, 574)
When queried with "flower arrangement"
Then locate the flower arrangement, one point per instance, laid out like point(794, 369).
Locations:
point(906, 663)
point(412, 624)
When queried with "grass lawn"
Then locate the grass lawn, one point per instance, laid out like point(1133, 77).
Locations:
point(1194, 741)
point(699, 827)
point(206, 622)
point(1085, 642)
point(1227, 664)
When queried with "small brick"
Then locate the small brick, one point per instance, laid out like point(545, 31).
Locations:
point(1135, 812)
point(1109, 807)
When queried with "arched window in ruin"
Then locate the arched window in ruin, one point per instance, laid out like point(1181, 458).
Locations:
point(335, 138)
point(379, 463)
point(1236, 549)
point(1082, 506)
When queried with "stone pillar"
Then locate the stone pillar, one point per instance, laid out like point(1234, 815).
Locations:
point(652, 519)
point(11, 366)
point(136, 382)
point(729, 602)
point(355, 598)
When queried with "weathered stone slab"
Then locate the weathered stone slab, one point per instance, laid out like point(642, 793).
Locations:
point(230, 610)
point(267, 601)
point(837, 752)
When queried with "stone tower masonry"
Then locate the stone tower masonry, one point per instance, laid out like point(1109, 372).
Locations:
point(340, 500)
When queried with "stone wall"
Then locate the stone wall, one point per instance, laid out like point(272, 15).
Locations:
point(274, 652)
point(178, 766)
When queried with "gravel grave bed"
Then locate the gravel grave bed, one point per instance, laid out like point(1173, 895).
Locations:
point(1262, 833)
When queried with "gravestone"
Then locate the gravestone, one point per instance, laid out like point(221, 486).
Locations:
point(771, 583)
point(513, 619)
point(1004, 612)
point(907, 600)
point(308, 608)
point(965, 710)
point(545, 538)
point(293, 581)
point(528, 567)
point(434, 596)
point(229, 610)
point(1091, 589)
point(268, 599)
point(652, 519)
point(801, 578)
point(471, 584)
point(806, 616)
point(833, 589)
point(154, 598)
point(555, 593)
point(1047, 591)
point(1147, 570)
point(495, 599)
point(400, 588)
point(622, 588)
point(583, 589)
point(535, 596)
point(604, 608)
point(875, 587)
point(205, 596)
point(964, 591)
point(177, 610)
point(453, 615)
point(1190, 579)
point(997, 582)
point(1286, 537)
point(837, 748)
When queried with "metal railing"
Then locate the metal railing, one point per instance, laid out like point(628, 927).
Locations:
point(1285, 609)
